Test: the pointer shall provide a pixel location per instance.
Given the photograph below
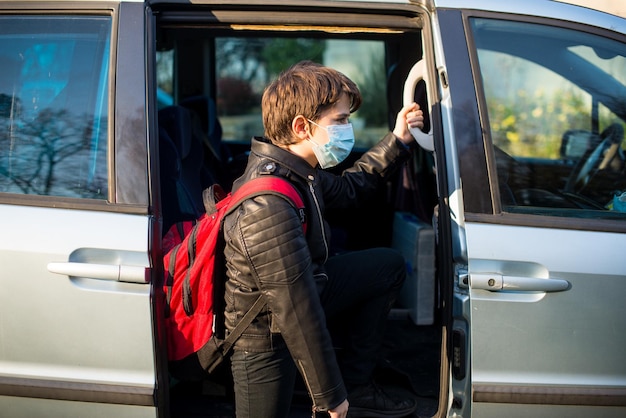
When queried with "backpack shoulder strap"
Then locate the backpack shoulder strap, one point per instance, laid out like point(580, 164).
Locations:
point(244, 322)
point(269, 185)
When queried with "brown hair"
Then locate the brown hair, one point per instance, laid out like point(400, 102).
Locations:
point(307, 89)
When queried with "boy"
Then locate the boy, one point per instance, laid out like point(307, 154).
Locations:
point(305, 116)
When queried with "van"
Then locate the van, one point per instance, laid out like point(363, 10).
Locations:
point(511, 215)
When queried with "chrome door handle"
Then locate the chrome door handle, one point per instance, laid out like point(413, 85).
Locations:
point(497, 282)
point(117, 272)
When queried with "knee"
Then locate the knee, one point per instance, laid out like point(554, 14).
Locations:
point(394, 266)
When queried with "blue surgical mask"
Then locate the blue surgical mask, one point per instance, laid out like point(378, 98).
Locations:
point(338, 147)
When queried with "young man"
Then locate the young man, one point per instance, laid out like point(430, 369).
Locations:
point(305, 115)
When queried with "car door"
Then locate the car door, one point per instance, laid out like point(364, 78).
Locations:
point(541, 296)
point(76, 332)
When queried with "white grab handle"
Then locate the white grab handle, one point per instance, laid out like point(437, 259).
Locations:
point(417, 74)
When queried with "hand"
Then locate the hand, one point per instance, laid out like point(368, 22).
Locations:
point(341, 411)
point(410, 115)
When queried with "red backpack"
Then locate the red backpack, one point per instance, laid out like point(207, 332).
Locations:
point(194, 278)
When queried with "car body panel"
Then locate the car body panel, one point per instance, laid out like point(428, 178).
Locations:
point(593, 13)
point(561, 346)
point(77, 323)
point(79, 338)
point(529, 303)
point(530, 350)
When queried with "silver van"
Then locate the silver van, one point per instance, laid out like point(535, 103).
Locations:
point(114, 115)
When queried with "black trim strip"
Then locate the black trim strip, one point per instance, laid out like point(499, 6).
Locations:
point(544, 221)
point(77, 391)
point(550, 395)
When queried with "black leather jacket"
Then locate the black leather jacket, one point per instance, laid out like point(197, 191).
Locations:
point(266, 251)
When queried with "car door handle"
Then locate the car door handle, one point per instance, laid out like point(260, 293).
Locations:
point(117, 272)
point(497, 282)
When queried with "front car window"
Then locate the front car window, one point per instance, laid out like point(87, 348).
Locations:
point(53, 105)
point(556, 106)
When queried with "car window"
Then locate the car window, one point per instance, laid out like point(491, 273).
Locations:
point(245, 65)
point(53, 105)
point(556, 106)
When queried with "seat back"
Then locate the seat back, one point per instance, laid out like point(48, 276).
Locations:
point(182, 162)
point(218, 158)
point(210, 125)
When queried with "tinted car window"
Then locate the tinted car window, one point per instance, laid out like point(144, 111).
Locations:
point(53, 105)
point(556, 104)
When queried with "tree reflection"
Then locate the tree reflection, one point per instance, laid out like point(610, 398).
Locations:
point(52, 153)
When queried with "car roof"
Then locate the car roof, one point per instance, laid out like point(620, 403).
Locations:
point(528, 7)
point(614, 7)
point(601, 13)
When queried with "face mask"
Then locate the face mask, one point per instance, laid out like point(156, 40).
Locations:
point(338, 147)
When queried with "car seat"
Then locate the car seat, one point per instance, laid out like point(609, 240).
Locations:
point(173, 196)
point(204, 107)
point(181, 159)
point(218, 157)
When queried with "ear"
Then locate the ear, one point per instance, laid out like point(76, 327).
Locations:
point(300, 127)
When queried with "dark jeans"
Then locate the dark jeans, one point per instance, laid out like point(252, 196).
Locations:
point(263, 383)
point(361, 288)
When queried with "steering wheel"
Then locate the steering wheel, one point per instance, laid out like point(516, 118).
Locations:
point(597, 159)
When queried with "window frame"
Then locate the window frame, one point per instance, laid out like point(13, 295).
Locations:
point(86, 9)
point(340, 23)
point(497, 214)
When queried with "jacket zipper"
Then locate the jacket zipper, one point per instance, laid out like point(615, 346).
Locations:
point(308, 387)
point(319, 215)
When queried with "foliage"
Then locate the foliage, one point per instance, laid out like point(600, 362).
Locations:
point(246, 65)
point(280, 53)
point(533, 124)
point(234, 96)
point(165, 69)
point(373, 86)
point(240, 58)
point(530, 108)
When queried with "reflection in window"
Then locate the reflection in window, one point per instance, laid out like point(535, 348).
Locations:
point(557, 112)
point(53, 105)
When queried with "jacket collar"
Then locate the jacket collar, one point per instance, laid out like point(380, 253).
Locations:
point(264, 149)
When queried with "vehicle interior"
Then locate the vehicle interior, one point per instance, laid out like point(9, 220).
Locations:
point(211, 69)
